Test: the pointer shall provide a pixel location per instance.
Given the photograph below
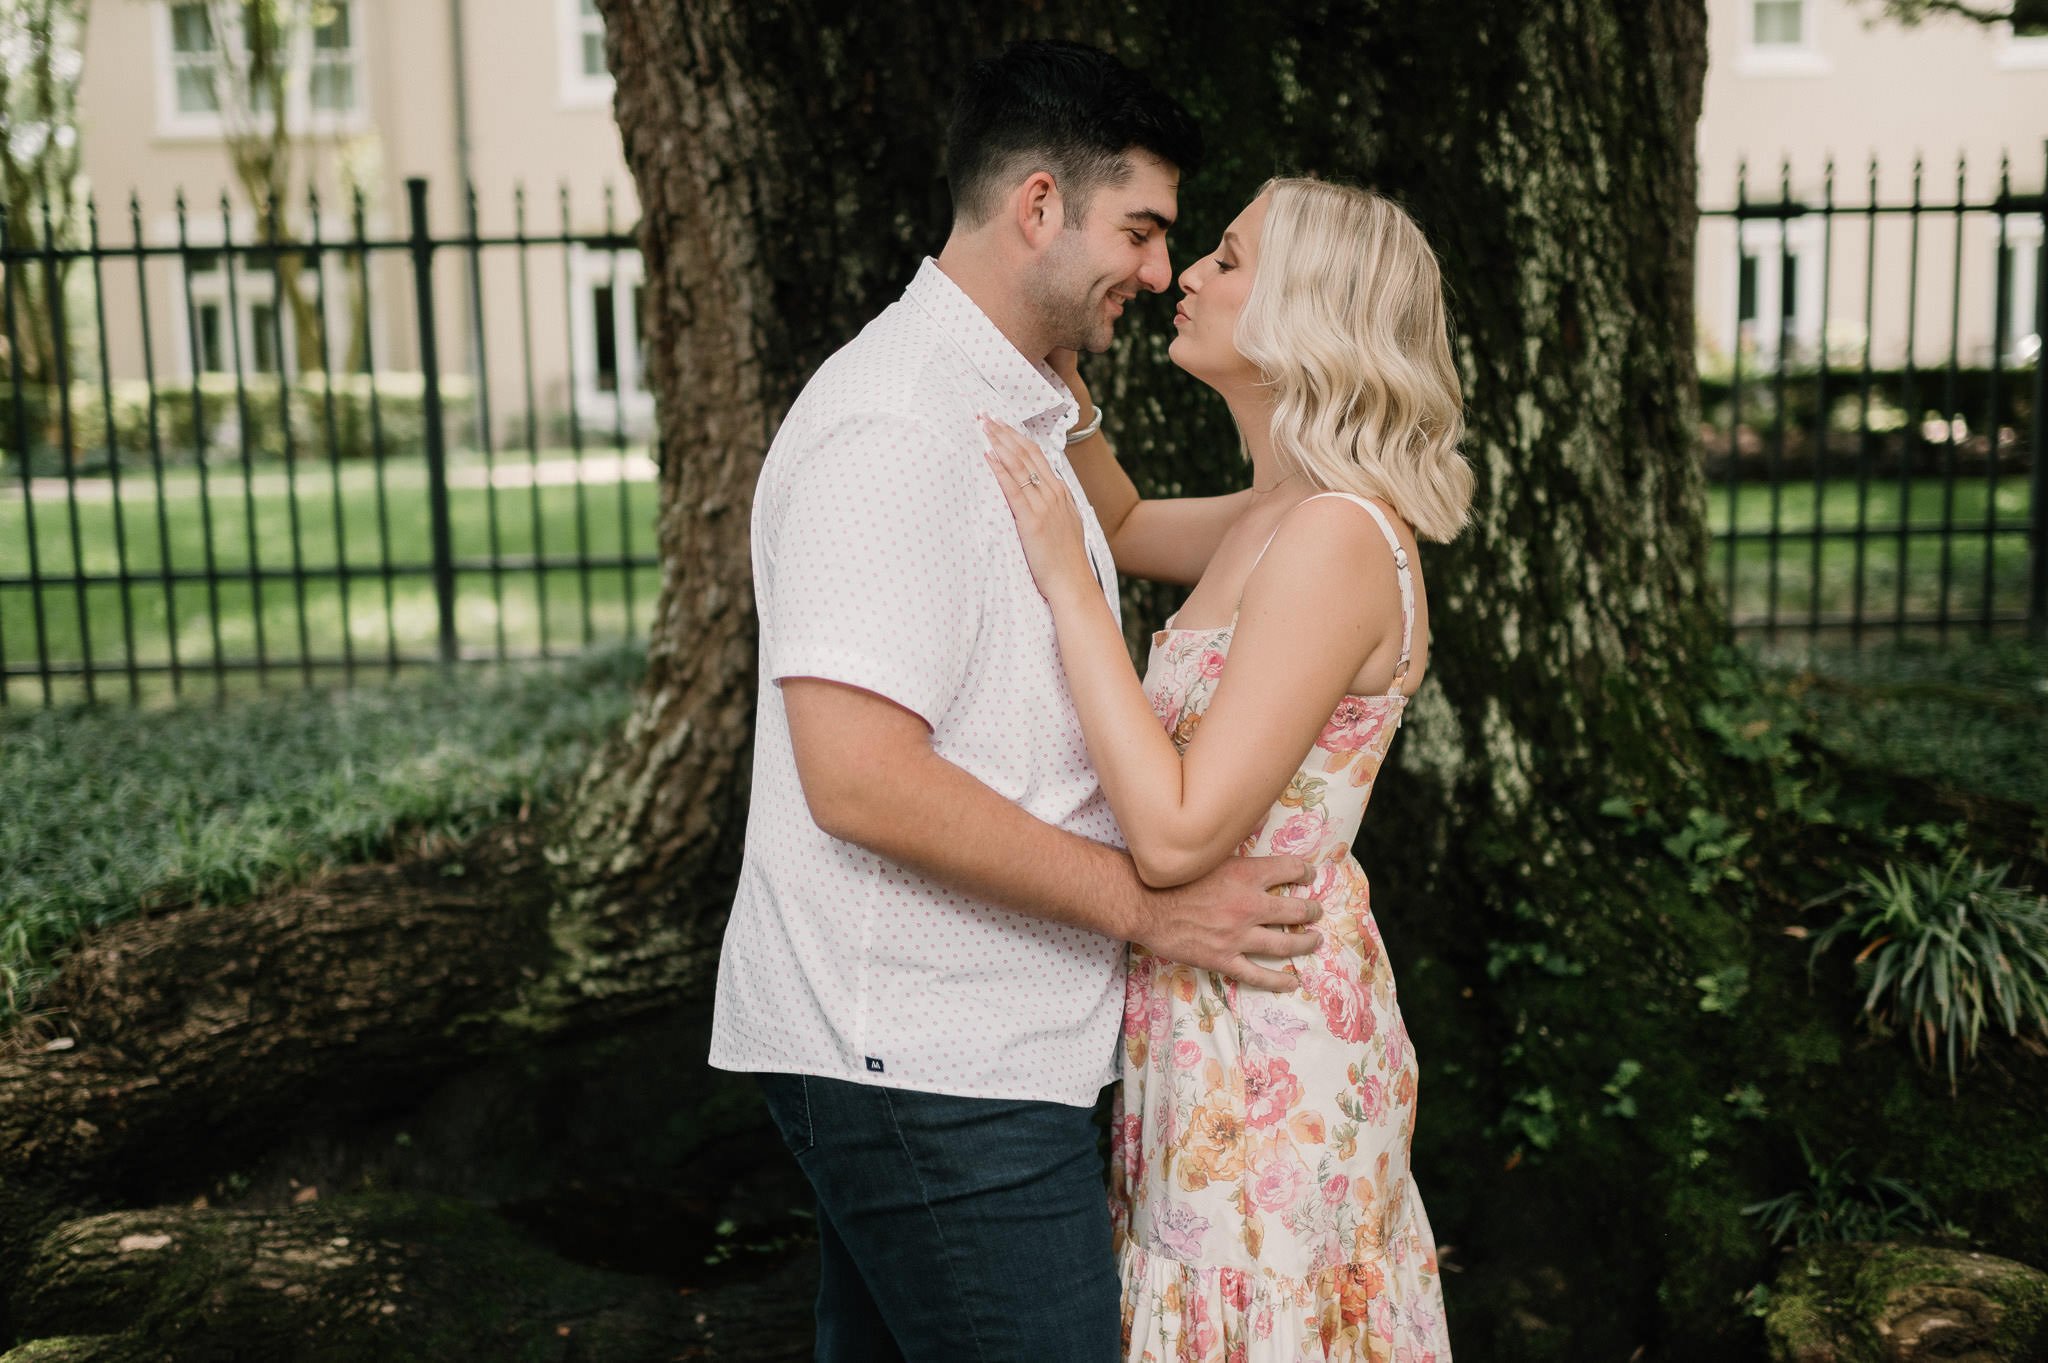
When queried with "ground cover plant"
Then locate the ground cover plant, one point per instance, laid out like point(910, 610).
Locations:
point(115, 812)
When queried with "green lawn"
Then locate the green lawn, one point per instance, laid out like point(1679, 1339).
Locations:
point(1794, 584)
point(561, 609)
point(525, 609)
point(112, 811)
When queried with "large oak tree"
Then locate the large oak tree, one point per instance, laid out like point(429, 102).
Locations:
point(505, 1041)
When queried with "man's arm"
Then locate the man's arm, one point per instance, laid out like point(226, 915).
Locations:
point(871, 778)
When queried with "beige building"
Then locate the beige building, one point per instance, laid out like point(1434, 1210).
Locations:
point(512, 92)
point(503, 93)
point(1791, 83)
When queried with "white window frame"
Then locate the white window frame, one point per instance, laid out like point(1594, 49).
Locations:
point(252, 287)
point(1761, 238)
point(579, 89)
point(175, 124)
point(596, 408)
point(1803, 58)
point(2015, 53)
point(2023, 239)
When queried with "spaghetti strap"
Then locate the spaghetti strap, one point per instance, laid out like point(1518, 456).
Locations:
point(1400, 567)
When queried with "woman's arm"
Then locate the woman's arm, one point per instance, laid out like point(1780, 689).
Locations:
point(1304, 628)
point(1167, 539)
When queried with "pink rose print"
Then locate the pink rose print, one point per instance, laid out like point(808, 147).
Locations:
point(1397, 1046)
point(1161, 1020)
point(1236, 1286)
point(1211, 664)
point(1276, 1182)
point(1372, 1097)
point(1262, 1324)
point(1335, 1189)
point(1180, 1231)
point(1186, 1055)
point(1344, 1006)
point(1126, 1134)
point(1299, 835)
point(1382, 1318)
point(1276, 1028)
point(1200, 1332)
point(1352, 727)
point(1270, 1089)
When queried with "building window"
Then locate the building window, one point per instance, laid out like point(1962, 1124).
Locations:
point(195, 60)
point(1777, 309)
point(1779, 39)
point(586, 80)
point(2023, 38)
point(215, 335)
point(609, 312)
point(331, 76)
point(204, 60)
point(1778, 23)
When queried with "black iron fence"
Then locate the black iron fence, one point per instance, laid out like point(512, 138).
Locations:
point(269, 475)
point(303, 491)
point(1877, 467)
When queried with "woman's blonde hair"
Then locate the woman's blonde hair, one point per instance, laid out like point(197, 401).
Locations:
point(1346, 323)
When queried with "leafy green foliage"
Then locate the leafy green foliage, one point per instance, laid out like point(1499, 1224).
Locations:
point(1969, 718)
point(1836, 1204)
point(1946, 947)
point(111, 812)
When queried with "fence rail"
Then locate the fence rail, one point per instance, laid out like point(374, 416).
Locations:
point(1914, 516)
point(250, 517)
point(303, 491)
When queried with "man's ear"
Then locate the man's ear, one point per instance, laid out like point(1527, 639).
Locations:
point(1040, 211)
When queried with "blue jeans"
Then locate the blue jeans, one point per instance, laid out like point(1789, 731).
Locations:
point(952, 1228)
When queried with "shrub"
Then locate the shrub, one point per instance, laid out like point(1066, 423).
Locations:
point(1837, 1205)
point(400, 401)
point(1946, 947)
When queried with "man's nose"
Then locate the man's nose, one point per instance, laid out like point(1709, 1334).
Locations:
point(1157, 271)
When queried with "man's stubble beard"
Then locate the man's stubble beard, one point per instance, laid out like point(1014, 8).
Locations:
point(1062, 293)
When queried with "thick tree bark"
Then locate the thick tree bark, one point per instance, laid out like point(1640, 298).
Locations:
point(787, 158)
point(376, 1277)
point(787, 161)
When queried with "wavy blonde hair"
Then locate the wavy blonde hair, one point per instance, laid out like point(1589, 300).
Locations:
point(1346, 323)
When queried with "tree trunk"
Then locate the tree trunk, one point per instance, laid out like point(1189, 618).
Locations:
point(1615, 1027)
point(788, 159)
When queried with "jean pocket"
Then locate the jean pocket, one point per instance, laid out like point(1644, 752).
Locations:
point(788, 1097)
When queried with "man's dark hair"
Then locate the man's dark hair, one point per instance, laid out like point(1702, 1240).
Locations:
point(1063, 108)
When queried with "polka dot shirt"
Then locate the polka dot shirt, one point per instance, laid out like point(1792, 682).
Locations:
point(885, 558)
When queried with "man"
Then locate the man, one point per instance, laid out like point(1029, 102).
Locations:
point(924, 962)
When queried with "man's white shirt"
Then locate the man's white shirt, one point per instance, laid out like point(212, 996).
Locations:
point(885, 558)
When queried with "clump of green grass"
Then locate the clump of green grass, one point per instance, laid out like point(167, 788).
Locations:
point(1836, 1205)
point(112, 812)
point(1946, 948)
point(1969, 714)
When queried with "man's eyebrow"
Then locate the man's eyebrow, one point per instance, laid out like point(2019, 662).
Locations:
point(1150, 215)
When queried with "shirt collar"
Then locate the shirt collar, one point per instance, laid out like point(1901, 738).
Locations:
point(1023, 390)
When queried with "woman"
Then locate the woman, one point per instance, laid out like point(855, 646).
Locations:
point(1263, 1203)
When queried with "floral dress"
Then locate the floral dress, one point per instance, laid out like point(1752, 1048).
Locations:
point(1261, 1194)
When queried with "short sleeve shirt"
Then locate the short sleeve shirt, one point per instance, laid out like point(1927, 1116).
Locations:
point(885, 558)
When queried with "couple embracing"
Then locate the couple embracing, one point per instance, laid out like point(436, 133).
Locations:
point(990, 870)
